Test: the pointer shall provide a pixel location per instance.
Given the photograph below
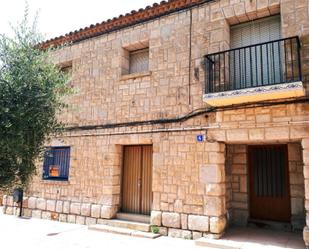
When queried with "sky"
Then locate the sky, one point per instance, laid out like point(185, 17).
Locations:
point(58, 17)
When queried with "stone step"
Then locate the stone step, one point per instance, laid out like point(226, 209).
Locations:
point(123, 231)
point(139, 226)
point(133, 217)
point(221, 243)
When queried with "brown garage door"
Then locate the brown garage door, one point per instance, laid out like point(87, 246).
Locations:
point(136, 179)
point(269, 183)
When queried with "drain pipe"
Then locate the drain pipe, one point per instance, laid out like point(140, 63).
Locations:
point(190, 57)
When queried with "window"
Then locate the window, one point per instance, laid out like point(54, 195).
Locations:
point(139, 61)
point(56, 163)
point(67, 69)
point(248, 69)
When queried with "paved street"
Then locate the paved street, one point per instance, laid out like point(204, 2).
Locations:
point(16, 233)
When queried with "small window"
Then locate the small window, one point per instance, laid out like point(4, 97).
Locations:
point(67, 70)
point(56, 163)
point(139, 61)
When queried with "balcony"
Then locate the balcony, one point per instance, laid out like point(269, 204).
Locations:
point(260, 72)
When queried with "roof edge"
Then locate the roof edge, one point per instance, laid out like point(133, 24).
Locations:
point(123, 21)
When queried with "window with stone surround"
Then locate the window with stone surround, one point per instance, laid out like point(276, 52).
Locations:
point(135, 58)
point(56, 163)
point(66, 67)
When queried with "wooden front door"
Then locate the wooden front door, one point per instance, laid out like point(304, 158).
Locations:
point(269, 183)
point(136, 179)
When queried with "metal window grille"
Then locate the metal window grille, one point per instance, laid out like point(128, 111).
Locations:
point(57, 157)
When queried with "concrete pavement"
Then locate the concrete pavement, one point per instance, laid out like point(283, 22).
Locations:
point(21, 233)
point(16, 233)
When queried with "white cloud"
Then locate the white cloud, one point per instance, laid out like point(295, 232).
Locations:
point(57, 17)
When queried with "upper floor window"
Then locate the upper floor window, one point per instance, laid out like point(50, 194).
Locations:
point(258, 59)
point(67, 69)
point(139, 61)
point(255, 32)
point(257, 65)
point(56, 163)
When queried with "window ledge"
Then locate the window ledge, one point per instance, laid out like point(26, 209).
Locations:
point(135, 75)
point(55, 181)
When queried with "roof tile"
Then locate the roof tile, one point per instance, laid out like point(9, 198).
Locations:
point(148, 13)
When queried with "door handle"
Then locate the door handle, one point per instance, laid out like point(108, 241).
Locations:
point(139, 183)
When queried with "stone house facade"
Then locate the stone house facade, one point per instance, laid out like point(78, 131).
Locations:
point(200, 114)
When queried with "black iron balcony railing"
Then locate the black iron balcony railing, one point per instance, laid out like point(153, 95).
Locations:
point(268, 63)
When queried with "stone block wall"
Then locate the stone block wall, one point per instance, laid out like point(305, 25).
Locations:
point(189, 198)
point(94, 173)
point(64, 211)
point(106, 96)
point(305, 154)
point(188, 183)
point(237, 184)
point(190, 178)
point(297, 186)
point(188, 226)
point(192, 187)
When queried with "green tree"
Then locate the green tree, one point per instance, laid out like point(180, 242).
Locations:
point(32, 93)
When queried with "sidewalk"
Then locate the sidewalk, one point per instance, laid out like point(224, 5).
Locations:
point(16, 233)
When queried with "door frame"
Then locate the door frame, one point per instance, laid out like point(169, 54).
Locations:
point(122, 176)
point(250, 175)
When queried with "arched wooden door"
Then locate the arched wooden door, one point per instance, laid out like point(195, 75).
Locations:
point(137, 179)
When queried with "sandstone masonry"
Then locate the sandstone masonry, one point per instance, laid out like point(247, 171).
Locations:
point(198, 188)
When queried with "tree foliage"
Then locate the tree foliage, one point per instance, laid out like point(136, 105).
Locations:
point(32, 93)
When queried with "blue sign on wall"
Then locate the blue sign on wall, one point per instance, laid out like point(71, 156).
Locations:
point(200, 138)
